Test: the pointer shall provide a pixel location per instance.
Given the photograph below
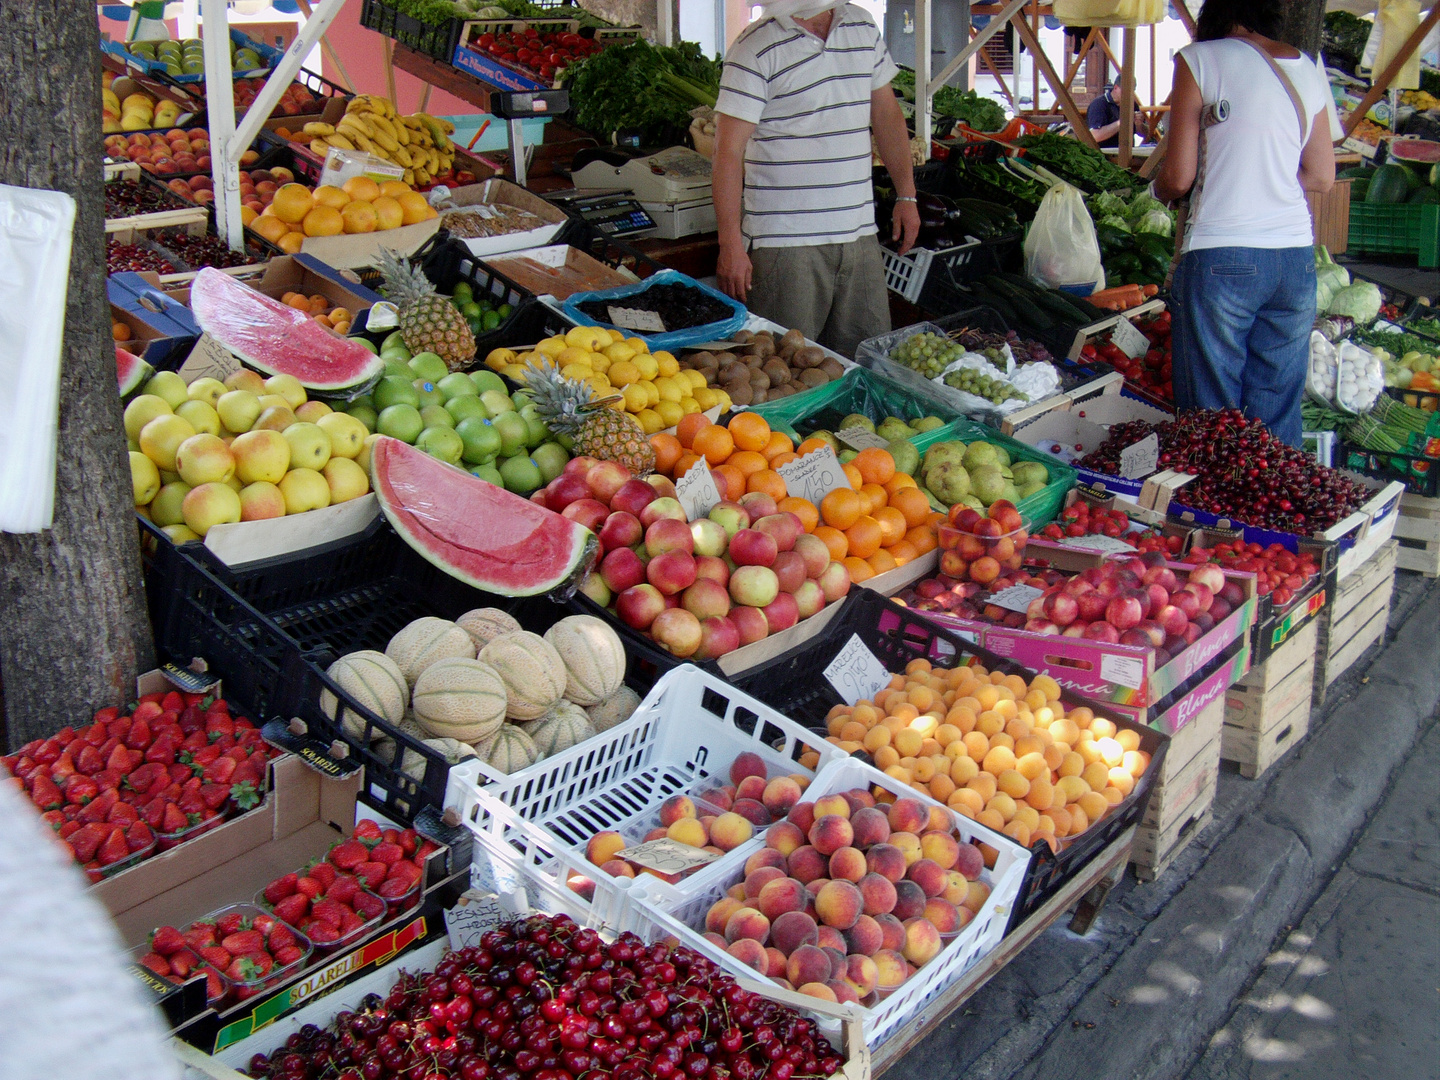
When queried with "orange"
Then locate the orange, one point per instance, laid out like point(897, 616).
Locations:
point(323, 221)
point(875, 496)
point(292, 202)
point(875, 465)
point(841, 508)
point(712, 440)
point(768, 481)
point(804, 509)
point(864, 537)
point(360, 187)
point(748, 461)
point(778, 443)
point(688, 426)
point(413, 207)
point(810, 444)
point(270, 227)
point(682, 466)
point(667, 452)
point(892, 525)
point(922, 538)
point(782, 459)
point(853, 475)
point(911, 502)
point(859, 569)
point(834, 540)
point(730, 481)
point(903, 552)
point(881, 561)
point(898, 481)
point(749, 430)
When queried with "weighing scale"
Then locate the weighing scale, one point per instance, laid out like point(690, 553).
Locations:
point(515, 108)
point(672, 185)
point(614, 214)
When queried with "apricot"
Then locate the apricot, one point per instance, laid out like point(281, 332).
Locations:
point(604, 846)
point(940, 848)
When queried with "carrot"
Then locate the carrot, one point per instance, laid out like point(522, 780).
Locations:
point(1118, 298)
point(1150, 290)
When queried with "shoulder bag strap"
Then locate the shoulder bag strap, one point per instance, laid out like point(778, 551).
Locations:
point(1289, 88)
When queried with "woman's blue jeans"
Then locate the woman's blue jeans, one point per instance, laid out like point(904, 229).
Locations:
point(1241, 335)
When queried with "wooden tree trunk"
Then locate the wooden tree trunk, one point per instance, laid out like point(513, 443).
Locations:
point(74, 628)
point(1303, 21)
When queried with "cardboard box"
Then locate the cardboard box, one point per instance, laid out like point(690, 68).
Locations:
point(361, 249)
point(162, 350)
point(496, 190)
point(332, 112)
point(558, 270)
point(1086, 424)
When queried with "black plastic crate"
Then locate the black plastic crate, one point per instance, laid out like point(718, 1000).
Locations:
point(435, 41)
point(795, 684)
point(1419, 474)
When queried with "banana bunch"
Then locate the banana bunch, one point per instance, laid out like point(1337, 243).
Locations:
point(419, 143)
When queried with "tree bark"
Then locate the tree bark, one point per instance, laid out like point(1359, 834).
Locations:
point(1302, 22)
point(75, 629)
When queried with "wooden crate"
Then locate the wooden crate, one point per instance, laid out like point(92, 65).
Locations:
point(1180, 802)
point(1418, 530)
point(1356, 620)
point(1268, 711)
point(1330, 216)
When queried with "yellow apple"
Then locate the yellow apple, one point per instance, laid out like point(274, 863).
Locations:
point(309, 446)
point(261, 500)
point(277, 419)
point(304, 489)
point(141, 411)
point(288, 387)
point(166, 509)
point(206, 390)
point(347, 434)
point(204, 459)
point(262, 454)
point(209, 505)
point(346, 479)
point(245, 379)
point(238, 410)
point(161, 437)
point(145, 478)
point(312, 411)
point(203, 418)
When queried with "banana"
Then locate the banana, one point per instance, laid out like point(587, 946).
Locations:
point(402, 134)
point(357, 122)
point(318, 129)
point(410, 122)
point(340, 141)
point(362, 143)
point(422, 177)
point(382, 125)
point(402, 157)
point(389, 142)
point(434, 166)
point(319, 146)
point(436, 127)
point(409, 177)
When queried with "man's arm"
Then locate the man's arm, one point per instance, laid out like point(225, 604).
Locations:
point(893, 142)
point(727, 184)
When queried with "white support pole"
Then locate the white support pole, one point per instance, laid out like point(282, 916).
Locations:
point(220, 107)
point(188, 23)
point(665, 21)
point(924, 91)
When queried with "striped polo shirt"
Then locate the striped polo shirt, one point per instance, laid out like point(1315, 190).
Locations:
point(807, 165)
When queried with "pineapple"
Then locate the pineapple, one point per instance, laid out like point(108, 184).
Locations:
point(428, 321)
point(569, 408)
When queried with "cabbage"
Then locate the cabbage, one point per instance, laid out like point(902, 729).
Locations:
point(1330, 278)
point(1107, 203)
point(1115, 221)
point(1157, 222)
point(1143, 204)
point(1359, 301)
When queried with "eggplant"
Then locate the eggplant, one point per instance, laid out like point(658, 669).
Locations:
point(932, 209)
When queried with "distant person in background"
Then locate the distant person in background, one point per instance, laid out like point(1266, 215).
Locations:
point(1251, 123)
point(1103, 118)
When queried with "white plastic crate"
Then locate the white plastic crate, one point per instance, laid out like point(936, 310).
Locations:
point(906, 274)
point(979, 936)
point(681, 740)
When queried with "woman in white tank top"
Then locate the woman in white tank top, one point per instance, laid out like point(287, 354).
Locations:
point(1246, 145)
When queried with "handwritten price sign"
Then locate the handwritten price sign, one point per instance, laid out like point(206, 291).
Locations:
point(667, 856)
point(814, 476)
point(856, 672)
point(696, 490)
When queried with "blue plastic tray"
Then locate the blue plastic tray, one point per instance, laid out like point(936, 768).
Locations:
point(671, 339)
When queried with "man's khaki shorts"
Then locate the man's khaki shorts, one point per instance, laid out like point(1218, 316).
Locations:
point(832, 293)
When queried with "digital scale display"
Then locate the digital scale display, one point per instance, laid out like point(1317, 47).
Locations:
point(615, 215)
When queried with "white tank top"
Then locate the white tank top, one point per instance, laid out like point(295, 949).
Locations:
point(1247, 191)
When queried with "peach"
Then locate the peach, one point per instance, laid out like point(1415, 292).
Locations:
point(618, 868)
point(929, 875)
point(746, 922)
point(865, 937)
point(871, 827)
point(893, 931)
point(736, 892)
point(750, 953)
point(979, 893)
point(863, 972)
point(956, 887)
point(806, 864)
point(656, 833)
point(909, 845)
point(675, 808)
point(784, 837)
point(747, 764)
point(922, 942)
point(752, 787)
point(886, 860)
point(909, 900)
point(848, 864)
point(832, 804)
point(753, 812)
point(793, 929)
point(939, 847)
point(718, 940)
point(730, 830)
point(839, 904)
point(780, 795)
point(764, 857)
point(758, 879)
point(969, 861)
point(844, 990)
point(718, 797)
point(909, 815)
point(688, 831)
point(604, 846)
point(774, 962)
point(940, 820)
point(890, 969)
point(719, 914)
point(817, 990)
point(830, 833)
point(878, 893)
point(859, 799)
point(835, 952)
point(581, 885)
point(808, 964)
point(779, 896)
point(943, 915)
point(802, 816)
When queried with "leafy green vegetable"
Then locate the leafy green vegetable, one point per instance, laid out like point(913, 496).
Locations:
point(1360, 300)
point(1395, 343)
point(430, 12)
point(1345, 35)
point(966, 106)
point(642, 86)
point(1108, 203)
point(1087, 169)
point(1157, 222)
point(1428, 327)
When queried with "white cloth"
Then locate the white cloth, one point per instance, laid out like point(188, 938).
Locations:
point(807, 165)
point(1248, 193)
point(804, 9)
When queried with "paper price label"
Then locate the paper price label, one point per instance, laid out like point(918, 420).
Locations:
point(696, 490)
point(667, 856)
point(1128, 340)
point(208, 360)
point(1096, 542)
point(1140, 459)
point(858, 438)
point(814, 476)
point(1124, 670)
point(635, 319)
point(856, 672)
point(1015, 598)
point(475, 913)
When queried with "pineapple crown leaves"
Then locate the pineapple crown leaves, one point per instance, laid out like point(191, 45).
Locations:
point(405, 279)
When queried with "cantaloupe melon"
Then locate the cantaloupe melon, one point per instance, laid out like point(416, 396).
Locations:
point(459, 698)
point(532, 670)
point(593, 655)
point(615, 710)
point(508, 750)
point(374, 681)
point(560, 728)
point(413, 764)
point(485, 624)
point(425, 641)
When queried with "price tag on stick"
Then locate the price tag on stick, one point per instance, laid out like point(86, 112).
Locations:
point(1015, 598)
point(696, 490)
point(667, 856)
point(856, 672)
point(634, 319)
point(208, 360)
point(1141, 458)
point(859, 438)
point(814, 475)
point(1128, 340)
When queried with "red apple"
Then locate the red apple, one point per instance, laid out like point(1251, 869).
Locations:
point(672, 572)
point(1091, 605)
point(1102, 631)
point(1203, 596)
point(588, 512)
point(663, 485)
point(663, 507)
point(639, 606)
point(677, 631)
point(667, 534)
point(754, 586)
point(783, 528)
point(1209, 575)
point(809, 598)
point(606, 478)
point(781, 613)
point(757, 504)
point(709, 537)
point(751, 547)
point(622, 569)
point(1041, 626)
point(814, 552)
point(718, 636)
point(834, 582)
point(1122, 613)
point(789, 567)
point(632, 497)
point(620, 530)
point(579, 466)
point(750, 623)
point(705, 598)
point(564, 490)
point(713, 569)
point(1061, 609)
point(730, 516)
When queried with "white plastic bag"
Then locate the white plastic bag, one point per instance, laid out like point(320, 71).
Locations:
point(35, 229)
point(1060, 248)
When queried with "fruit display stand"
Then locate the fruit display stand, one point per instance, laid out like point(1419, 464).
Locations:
point(1184, 790)
point(859, 391)
point(1418, 530)
point(1268, 711)
point(1356, 619)
point(1038, 509)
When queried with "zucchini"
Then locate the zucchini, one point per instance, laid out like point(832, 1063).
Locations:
point(1031, 313)
point(1057, 305)
point(994, 300)
point(1088, 310)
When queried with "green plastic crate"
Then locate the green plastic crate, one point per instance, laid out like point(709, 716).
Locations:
point(1039, 509)
point(1396, 229)
point(860, 391)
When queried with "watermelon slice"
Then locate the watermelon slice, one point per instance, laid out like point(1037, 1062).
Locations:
point(134, 372)
point(276, 338)
point(1415, 150)
point(474, 531)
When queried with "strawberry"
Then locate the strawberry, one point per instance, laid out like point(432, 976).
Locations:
point(263, 923)
point(280, 937)
point(246, 794)
point(79, 789)
point(70, 828)
point(182, 963)
point(425, 849)
point(139, 737)
point(321, 934)
point(309, 887)
point(219, 771)
point(144, 777)
point(204, 756)
point(173, 700)
point(214, 988)
point(106, 715)
point(119, 759)
point(122, 813)
point(293, 908)
point(217, 724)
point(406, 871)
point(324, 873)
point(139, 836)
point(391, 836)
point(393, 889)
point(214, 796)
point(349, 922)
point(95, 734)
point(59, 770)
point(53, 818)
point(149, 706)
point(167, 940)
point(348, 855)
point(280, 888)
point(368, 907)
point(178, 773)
point(329, 912)
point(343, 891)
point(98, 808)
point(118, 727)
point(194, 740)
point(106, 779)
point(215, 956)
point(243, 941)
point(244, 970)
point(154, 813)
point(230, 922)
point(224, 743)
point(89, 761)
point(174, 820)
point(156, 963)
point(387, 853)
point(200, 934)
point(49, 751)
point(162, 751)
point(114, 849)
point(45, 794)
point(191, 803)
point(371, 874)
point(409, 841)
point(367, 830)
point(288, 955)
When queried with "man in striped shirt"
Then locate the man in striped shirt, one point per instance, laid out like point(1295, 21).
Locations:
point(801, 92)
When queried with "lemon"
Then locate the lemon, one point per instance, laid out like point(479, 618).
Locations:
point(723, 400)
point(689, 405)
point(600, 385)
point(577, 371)
point(637, 344)
point(623, 373)
point(573, 355)
point(650, 421)
point(516, 372)
point(552, 346)
point(599, 361)
point(498, 358)
point(619, 351)
point(587, 337)
point(706, 398)
point(649, 369)
point(636, 398)
point(668, 390)
point(670, 412)
point(666, 362)
point(615, 336)
point(652, 392)
point(695, 378)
